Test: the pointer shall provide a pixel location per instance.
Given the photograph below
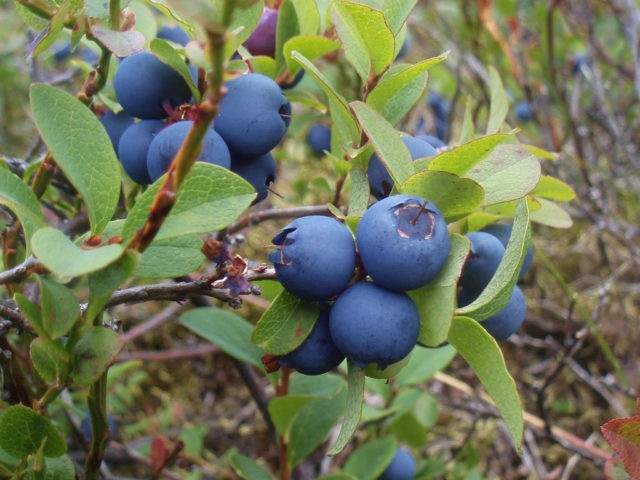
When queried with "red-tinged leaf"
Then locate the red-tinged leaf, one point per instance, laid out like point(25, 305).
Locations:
point(623, 434)
point(158, 454)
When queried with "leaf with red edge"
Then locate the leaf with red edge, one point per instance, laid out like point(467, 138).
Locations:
point(623, 434)
point(158, 454)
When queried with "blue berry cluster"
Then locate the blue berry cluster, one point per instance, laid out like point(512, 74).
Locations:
point(253, 117)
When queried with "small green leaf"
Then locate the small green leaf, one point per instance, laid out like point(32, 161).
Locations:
point(468, 129)
point(400, 88)
point(284, 409)
point(102, 284)
point(246, 15)
point(206, 13)
point(327, 385)
point(551, 215)
point(407, 429)
point(64, 258)
point(210, 198)
point(484, 356)
point(386, 141)
point(93, 353)
point(497, 293)
point(170, 57)
point(499, 102)
point(50, 360)
point(424, 364)
point(554, 189)
point(121, 44)
point(509, 172)
point(20, 199)
point(396, 12)
point(23, 431)
point(59, 468)
point(81, 148)
point(368, 461)
point(462, 159)
point(359, 192)
point(436, 301)
point(338, 476)
point(285, 324)
point(229, 331)
point(247, 468)
point(55, 26)
point(455, 196)
point(355, 48)
point(172, 257)
point(311, 425)
point(311, 46)
point(32, 313)
point(355, 397)
point(60, 308)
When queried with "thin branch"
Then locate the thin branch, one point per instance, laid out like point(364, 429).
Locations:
point(22, 271)
point(260, 216)
point(168, 355)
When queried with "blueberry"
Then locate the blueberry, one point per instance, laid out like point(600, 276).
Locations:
point(315, 257)
point(507, 321)
point(166, 144)
point(115, 124)
point(483, 261)
point(402, 466)
point(524, 112)
point(134, 146)
point(379, 179)
point(439, 106)
point(147, 88)
point(262, 40)
point(503, 233)
point(253, 115)
point(317, 354)
point(319, 139)
point(403, 242)
point(174, 33)
point(260, 172)
point(435, 142)
point(372, 324)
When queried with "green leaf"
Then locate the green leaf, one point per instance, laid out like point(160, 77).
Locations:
point(93, 354)
point(551, 215)
point(327, 385)
point(396, 12)
point(284, 409)
point(468, 129)
point(338, 476)
point(31, 311)
point(497, 293)
point(455, 196)
point(343, 122)
point(64, 258)
point(364, 29)
point(245, 16)
point(407, 429)
point(170, 57)
point(172, 257)
point(509, 172)
point(23, 431)
point(424, 364)
point(121, 44)
point(60, 309)
point(229, 331)
point(308, 16)
point(247, 468)
point(359, 200)
point(436, 301)
point(102, 284)
point(59, 468)
point(462, 159)
point(210, 198)
point(81, 148)
point(484, 356)
point(50, 360)
point(311, 425)
point(311, 46)
point(386, 141)
point(20, 199)
point(554, 189)
point(368, 461)
point(499, 102)
point(54, 27)
point(355, 397)
point(206, 13)
point(400, 89)
point(286, 29)
point(285, 324)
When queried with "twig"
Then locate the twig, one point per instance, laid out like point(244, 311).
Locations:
point(22, 271)
point(257, 217)
point(154, 322)
point(168, 355)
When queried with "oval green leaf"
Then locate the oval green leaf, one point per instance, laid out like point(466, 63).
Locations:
point(93, 353)
point(60, 308)
point(23, 432)
point(368, 461)
point(353, 412)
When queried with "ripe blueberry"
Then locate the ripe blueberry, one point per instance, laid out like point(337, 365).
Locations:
point(315, 257)
point(260, 172)
point(317, 354)
point(262, 40)
point(174, 33)
point(147, 88)
point(483, 261)
point(166, 144)
point(134, 146)
point(402, 466)
point(524, 112)
point(319, 138)
point(372, 324)
point(403, 242)
point(503, 233)
point(253, 115)
point(379, 179)
point(435, 142)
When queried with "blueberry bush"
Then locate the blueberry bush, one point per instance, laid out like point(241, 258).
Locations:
point(324, 201)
